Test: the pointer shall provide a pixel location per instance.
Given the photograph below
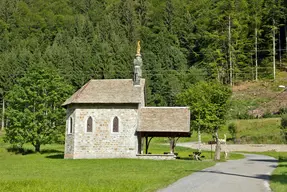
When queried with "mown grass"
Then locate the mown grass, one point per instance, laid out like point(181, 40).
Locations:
point(278, 180)
point(44, 173)
point(48, 171)
point(279, 176)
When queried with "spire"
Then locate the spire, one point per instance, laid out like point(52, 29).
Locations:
point(139, 49)
point(137, 65)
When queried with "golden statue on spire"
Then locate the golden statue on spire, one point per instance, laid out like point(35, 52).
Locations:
point(138, 49)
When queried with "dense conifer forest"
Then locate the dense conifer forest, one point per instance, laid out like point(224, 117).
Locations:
point(182, 41)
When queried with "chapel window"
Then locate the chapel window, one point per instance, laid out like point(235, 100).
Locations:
point(70, 125)
point(116, 124)
point(90, 124)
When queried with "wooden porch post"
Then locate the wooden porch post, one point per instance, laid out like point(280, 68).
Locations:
point(172, 144)
point(146, 144)
point(139, 143)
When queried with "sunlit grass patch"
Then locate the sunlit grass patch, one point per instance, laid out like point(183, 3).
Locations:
point(48, 171)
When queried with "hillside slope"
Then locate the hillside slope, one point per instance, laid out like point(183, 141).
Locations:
point(257, 99)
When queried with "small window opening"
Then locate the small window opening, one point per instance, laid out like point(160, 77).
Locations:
point(71, 125)
point(90, 124)
point(116, 124)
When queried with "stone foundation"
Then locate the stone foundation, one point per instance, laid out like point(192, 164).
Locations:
point(157, 156)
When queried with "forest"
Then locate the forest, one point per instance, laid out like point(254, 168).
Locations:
point(182, 41)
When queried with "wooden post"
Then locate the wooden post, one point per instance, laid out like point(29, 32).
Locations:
point(139, 144)
point(142, 145)
point(146, 144)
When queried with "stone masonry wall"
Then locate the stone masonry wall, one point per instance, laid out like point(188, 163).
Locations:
point(102, 142)
point(69, 137)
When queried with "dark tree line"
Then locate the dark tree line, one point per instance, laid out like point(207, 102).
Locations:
point(182, 41)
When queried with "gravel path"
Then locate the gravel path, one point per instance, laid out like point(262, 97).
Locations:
point(249, 174)
point(240, 147)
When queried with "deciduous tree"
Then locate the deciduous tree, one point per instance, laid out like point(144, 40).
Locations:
point(34, 108)
point(208, 102)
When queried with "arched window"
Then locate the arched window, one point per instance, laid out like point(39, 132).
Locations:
point(70, 125)
point(116, 124)
point(90, 124)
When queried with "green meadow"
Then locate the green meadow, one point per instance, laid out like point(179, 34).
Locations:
point(48, 171)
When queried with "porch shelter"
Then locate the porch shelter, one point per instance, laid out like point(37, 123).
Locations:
point(171, 122)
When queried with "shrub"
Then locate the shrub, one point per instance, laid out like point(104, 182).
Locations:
point(268, 114)
point(283, 111)
point(232, 129)
point(244, 115)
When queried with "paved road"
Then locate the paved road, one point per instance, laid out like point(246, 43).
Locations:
point(249, 174)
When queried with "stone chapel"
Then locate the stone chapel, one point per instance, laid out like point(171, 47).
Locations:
point(108, 119)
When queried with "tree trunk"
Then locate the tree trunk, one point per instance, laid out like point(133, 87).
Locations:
point(279, 44)
point(256, 59)
point(3, 113)
point(217, 148)
point(37, 147)
point(230, 55)
point(285, 38)
point(199, 139)
point(274, 51)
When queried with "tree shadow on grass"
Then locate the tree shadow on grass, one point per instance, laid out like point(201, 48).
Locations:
point(23, 151)
point(279, 178)
point(282, 159)
point(47, 151)
point(283, 162)
point(56, 156)
point(184, 158)
point(18, 150)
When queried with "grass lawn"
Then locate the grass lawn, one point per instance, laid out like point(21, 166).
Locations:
point(279, 176)
point(48, 171)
